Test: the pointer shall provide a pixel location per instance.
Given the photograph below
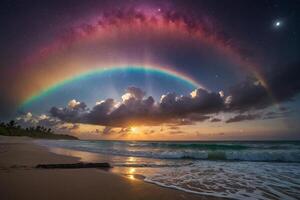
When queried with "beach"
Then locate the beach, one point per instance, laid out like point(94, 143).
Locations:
point(242, 170)
point(19, 179)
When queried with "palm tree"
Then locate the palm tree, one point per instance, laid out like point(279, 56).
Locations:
point(11, 124)
point(2, 124)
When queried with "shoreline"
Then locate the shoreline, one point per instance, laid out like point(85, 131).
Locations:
point(20, 180)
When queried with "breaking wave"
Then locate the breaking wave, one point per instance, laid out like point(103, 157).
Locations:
point(234, 151)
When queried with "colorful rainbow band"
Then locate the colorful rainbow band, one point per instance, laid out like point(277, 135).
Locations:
point(150, 69)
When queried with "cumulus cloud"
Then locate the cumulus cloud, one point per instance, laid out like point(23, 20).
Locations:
point(136, 109)
point(59, 126)
point(250, 94)
point(29, 119)
point(201, 101)
point(71, 113)
point(73, 104)
point(133, 92)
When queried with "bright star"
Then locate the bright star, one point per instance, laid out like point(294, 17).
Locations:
point(277, 24)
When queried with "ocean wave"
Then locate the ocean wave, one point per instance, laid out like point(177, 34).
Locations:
point(210, 152)
point(200, 146)
point(255, 156)
point(218, 145)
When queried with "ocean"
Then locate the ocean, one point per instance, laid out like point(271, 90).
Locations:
point(236, 170)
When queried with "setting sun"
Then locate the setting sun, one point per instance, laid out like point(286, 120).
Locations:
point(134, 130)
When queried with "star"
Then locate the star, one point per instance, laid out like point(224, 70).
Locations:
point(277, 24)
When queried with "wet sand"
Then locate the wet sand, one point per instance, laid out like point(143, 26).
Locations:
point(20, 180)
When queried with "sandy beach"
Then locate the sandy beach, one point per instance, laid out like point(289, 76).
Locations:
point(20, 180)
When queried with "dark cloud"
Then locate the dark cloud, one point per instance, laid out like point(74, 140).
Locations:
point(174, 127)
point(201, 101)
point(135, 92)
point(176, 132)
point(243, 117)
point(215, 120)
point(74, 127)
point(108, 130)
point(124, 131)
point(137, 109)
point(97, 131)
point(281, 84)
point(68, 128)
point(281, 113)
point(250, 94)
point(191, 119)
point(71, 113)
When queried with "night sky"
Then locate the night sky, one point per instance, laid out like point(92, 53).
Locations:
point(186, 70)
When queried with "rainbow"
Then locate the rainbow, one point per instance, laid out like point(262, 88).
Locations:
point(170, 21)
point(149, 69)
point(55, 58)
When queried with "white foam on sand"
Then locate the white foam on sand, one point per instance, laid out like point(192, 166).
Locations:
point(237, 180)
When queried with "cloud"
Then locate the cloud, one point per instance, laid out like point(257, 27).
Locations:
point(176, 132)
point(107, 130)
point(174, 127)
point(73, 104)
point(215, 120)
point(74, 127)
point(282, 84)
point(29, 119)
point(133, 92)
point(136, 109)
point(281, 113)
point(250, 94)
point(200, 101)
point(71, 113)
point(243, 117)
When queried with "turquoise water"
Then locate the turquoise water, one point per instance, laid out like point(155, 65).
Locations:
point(237, 170)
point(230, 151)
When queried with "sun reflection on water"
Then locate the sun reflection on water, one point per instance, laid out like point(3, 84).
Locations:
point(131, 160)
point(131, 177)
point(131, 173)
